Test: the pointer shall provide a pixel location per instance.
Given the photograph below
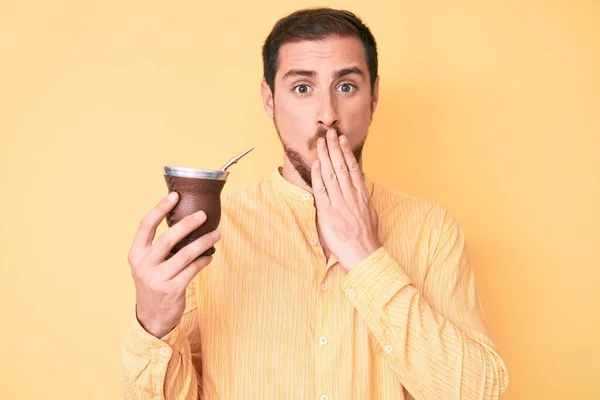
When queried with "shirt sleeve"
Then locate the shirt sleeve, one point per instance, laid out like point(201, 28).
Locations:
point(434, 337)
point(168, 368)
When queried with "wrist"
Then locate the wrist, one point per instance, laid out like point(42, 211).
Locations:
point(158, 332)
point(155, 328)
point(360, 253)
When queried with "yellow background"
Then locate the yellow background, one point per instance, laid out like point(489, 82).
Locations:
point(490, 108)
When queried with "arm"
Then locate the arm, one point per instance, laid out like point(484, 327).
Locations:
point(165, 368)
point(169, 367)
point(433, 337)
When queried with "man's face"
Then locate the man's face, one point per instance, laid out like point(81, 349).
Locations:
point(320, 85)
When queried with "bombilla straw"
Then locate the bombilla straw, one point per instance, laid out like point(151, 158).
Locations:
point(235, 159)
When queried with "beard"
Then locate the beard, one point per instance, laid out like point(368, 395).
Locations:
point(299, 161)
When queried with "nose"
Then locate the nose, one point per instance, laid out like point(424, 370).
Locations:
point(328, 115)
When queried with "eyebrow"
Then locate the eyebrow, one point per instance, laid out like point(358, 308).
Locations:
point(299, 72)
point(348, 71)
point(311, 74)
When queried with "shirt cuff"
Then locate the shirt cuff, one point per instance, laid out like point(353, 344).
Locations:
point(375, 280)
point(142, 342)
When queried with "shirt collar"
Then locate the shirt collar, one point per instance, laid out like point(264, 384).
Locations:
point(293, 192)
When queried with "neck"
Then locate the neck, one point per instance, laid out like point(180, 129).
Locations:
point(289, 172)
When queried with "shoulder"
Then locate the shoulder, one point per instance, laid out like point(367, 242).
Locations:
point(396, 204)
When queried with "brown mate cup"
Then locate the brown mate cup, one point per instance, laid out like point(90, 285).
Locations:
point(198, 189)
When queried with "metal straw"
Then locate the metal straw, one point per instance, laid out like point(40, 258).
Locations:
point(235, 159)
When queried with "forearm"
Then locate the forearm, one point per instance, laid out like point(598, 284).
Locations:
point(163, 368)
point(433, 357)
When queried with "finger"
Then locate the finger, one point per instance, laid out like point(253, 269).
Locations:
point(356, 174)
point(188, 254)
point(339, 163)
point(319, 190)
point(148, 225)
point(165, 243)
point(183, 279)
point(328, 174)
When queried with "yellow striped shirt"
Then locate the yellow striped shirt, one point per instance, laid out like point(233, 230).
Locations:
point(272, 318)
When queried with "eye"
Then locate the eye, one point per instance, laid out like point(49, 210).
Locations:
point(346, 88)
point(301, 89)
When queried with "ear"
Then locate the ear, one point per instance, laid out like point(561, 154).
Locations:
point(267, 97)
point(375, 97)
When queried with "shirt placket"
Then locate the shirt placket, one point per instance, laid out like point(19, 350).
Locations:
point(323, 343)
point(323, 329)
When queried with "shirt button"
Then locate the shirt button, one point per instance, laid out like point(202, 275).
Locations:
point(351, 293)
point(324, 287)
point(322, 340)
point(387, 348)
point(314, 241)
point(164, 351)
point(306, 196)
point(324, 397)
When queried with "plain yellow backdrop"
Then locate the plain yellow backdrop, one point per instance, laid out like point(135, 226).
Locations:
point(491, 108)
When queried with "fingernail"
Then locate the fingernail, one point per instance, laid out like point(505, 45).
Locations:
point(172, 196)
point(215, 234)
point(343, 139)
point(199, 215)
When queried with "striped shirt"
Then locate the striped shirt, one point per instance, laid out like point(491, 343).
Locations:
point(272, 318)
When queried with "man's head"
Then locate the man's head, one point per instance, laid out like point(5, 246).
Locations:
point(320, 72)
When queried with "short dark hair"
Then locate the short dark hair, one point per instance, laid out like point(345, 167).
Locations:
point(316, 24)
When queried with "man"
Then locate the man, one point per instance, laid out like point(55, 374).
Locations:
point(325, 285)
